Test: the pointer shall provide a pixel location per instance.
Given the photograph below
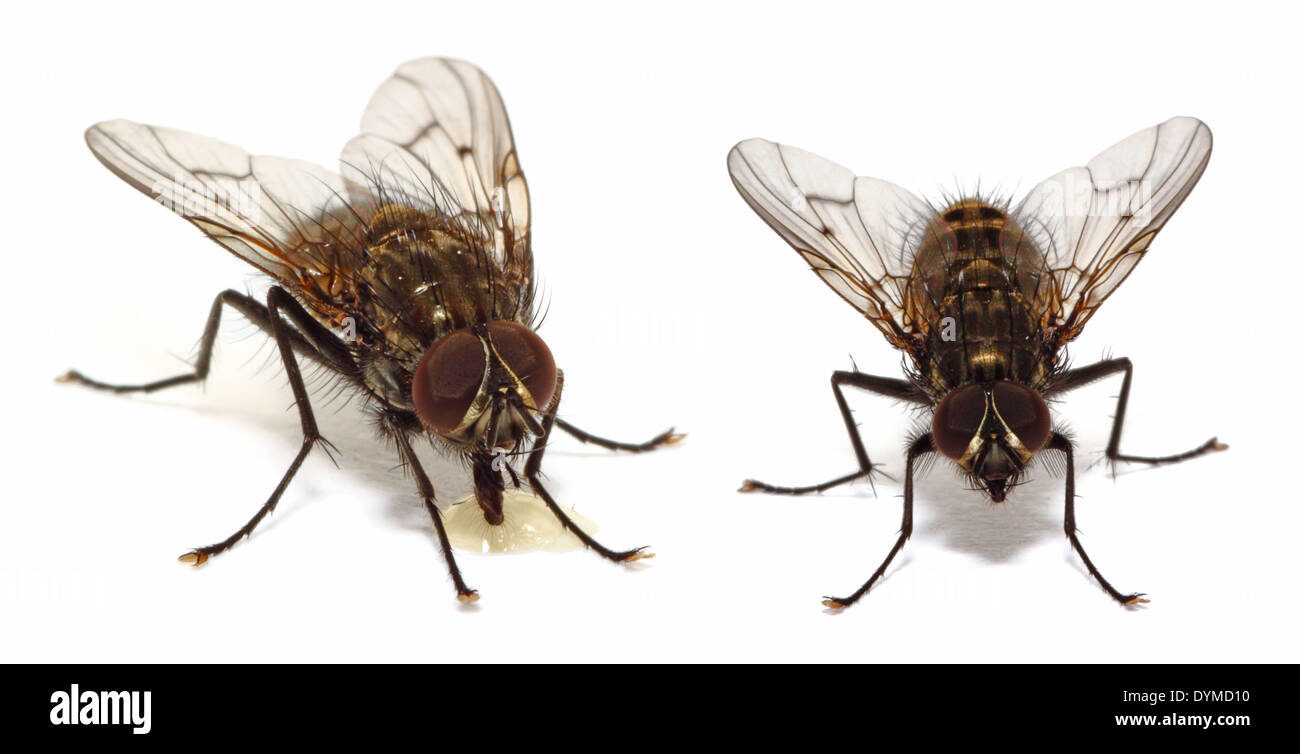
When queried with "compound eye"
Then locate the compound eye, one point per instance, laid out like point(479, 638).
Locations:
point(527, 356)
point(1024, 412)
point(447, 380)
point(957, 419)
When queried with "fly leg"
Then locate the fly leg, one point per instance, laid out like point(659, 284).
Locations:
point(1059, 442)
point(1083, 375)
point(919, 447)
point(667, 437)
point(279, 305)
point(310, 339)
point(887, 386)
point(246, 305)
point(425, 488)
point(532, 471)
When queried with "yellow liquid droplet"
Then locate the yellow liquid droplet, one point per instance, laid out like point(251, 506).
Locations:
point(529, 526)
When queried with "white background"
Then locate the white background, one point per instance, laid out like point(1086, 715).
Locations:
point(671, 303)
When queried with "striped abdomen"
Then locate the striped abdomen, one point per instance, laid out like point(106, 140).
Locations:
point(975, 277)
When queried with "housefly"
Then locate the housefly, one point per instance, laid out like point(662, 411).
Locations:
point(981, 296)
point(408, 276)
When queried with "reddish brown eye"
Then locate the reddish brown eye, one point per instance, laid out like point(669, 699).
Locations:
point(447, 379)
point(527, 356)
point(957, 419)
point(1024, 412)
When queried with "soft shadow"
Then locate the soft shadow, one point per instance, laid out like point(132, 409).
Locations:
point(967, 521)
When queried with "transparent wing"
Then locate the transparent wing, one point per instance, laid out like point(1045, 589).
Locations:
point(286, 217)
point(852, 230)
point(436, 136)
point(1095, 223)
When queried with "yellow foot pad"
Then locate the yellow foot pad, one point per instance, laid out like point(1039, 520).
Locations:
point(672, 439)
point(194, 557)
point(638, 555)
point(1137, 599)
point(468, 597)
point(833, 603)
point(747, 486)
